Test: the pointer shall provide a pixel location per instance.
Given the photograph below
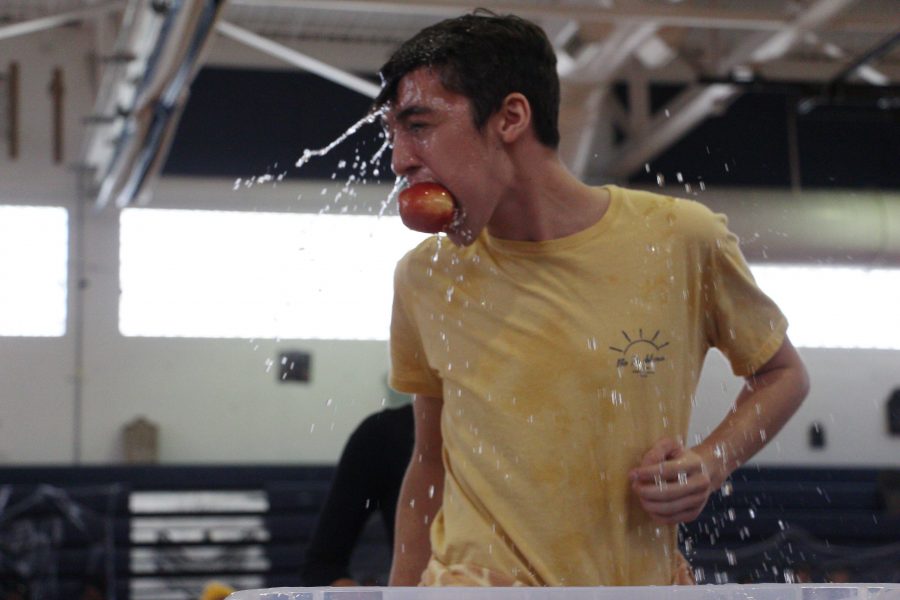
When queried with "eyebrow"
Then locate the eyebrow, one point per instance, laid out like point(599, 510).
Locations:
point(412, 111)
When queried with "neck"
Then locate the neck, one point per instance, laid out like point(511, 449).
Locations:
point(546, 201)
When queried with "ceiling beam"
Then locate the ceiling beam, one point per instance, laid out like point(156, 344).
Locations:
point(695, 104)
point(669, 125)
point(666, 15)
point(52, 22)
point(764, 47)
point(298, 59)
point(600, 61)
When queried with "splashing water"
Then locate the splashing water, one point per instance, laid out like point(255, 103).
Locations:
point(366, 120)
point(399, 184)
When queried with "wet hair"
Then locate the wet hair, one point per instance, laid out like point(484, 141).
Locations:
point(485, 57)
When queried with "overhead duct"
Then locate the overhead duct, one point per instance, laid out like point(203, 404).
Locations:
point(812, 227)
point(161, 46)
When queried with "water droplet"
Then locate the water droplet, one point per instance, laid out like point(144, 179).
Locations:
point(616, 398)
point(660, 179)
point(592, 343)
point(431, 491)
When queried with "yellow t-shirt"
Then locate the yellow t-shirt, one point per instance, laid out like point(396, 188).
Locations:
point(560, 363)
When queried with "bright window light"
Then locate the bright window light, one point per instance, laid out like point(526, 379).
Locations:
point(836, 307)
point(34, 252)
point(189, 273)
point(212, 274)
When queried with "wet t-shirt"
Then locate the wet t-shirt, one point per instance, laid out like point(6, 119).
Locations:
point(560, 363)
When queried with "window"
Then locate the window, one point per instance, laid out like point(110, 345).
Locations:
point(34, 251)
point(213, 274)
point(188, 273)
point(836, 307)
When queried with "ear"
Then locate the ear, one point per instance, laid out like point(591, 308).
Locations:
point(514, 117)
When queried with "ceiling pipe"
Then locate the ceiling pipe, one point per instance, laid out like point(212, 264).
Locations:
point(174, 57)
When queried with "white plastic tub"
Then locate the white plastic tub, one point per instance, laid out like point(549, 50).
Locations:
point(861, 591)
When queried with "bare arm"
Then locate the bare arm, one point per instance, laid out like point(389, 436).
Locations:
point(673, 483)
point(420, 495)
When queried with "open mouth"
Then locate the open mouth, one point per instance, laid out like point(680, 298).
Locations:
point(428, 207)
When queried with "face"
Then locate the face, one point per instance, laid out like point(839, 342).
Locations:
point(434, 139)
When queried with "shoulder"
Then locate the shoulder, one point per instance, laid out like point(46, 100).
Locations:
point(416, 258)
point(423, 251)
point(689, 217)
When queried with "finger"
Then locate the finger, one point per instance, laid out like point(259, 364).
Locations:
point(692, 503)
point(676, 471)
point(684, 517)
point(669, 492)
point(661, 451)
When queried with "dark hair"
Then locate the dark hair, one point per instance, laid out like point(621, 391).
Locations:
point(484, 57)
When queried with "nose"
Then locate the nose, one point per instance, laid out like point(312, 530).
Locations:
point(404, 160)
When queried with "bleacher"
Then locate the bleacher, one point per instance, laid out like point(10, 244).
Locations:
point(162, 532)
point(799, 524)
point(159, 533)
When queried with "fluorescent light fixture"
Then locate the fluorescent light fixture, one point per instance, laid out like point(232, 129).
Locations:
point(34, 254)
point(836, 307)
point(213, 274)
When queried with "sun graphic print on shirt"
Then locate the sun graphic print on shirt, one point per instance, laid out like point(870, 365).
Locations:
point(640, 353)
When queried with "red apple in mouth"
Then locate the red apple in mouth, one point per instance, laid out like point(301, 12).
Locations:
point(427, 207)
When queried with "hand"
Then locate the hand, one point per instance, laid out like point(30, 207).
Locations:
point(672, 483)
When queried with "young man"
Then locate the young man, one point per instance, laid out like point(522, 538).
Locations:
point(554, 348)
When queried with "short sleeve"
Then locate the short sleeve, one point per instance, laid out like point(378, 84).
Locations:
point(410, 372)
point(740, 319)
